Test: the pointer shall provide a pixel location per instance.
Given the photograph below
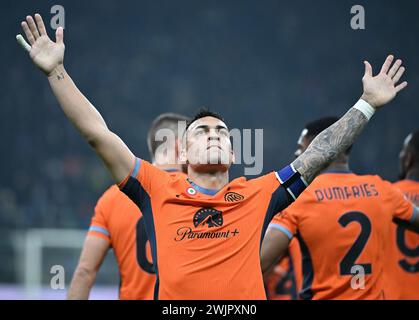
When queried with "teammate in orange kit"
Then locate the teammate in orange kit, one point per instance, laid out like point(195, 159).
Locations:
point(118, 224)
point(403, 273)
point(205, 231)
point(341, 221)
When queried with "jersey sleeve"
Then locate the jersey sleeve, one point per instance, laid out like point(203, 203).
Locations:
point(284, 187)
point(402, 208)
point(286, 222)
point(143, 182)
point(99, 226)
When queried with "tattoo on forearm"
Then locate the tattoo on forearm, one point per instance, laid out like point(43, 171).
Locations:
point(60, 76)
point(329, 144)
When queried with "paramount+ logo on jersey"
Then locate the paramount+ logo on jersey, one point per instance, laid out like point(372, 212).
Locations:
point(209, 218)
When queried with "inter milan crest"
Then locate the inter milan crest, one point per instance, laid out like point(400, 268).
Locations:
point(208, 216)
point(233, 197)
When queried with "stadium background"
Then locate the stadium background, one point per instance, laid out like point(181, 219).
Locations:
point(263, 64)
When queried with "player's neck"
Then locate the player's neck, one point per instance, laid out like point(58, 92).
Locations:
point(413, 174)
point(338, 166)
point(213, 180)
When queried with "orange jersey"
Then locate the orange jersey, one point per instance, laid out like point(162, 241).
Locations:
point(284, 281)
point(119, 221)
point(342, 222)
point(206, 243)
point(403, 271)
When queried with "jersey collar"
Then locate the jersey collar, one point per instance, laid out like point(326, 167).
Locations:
point(209, 192)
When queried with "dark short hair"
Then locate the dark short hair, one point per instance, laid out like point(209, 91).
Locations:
point(164, 121)
point(202, 113)
point(314, 128)
point(413, 146)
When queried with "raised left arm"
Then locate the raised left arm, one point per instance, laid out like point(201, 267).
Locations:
point(378, 91)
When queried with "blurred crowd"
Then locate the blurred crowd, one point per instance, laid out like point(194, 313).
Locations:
point(273, 65)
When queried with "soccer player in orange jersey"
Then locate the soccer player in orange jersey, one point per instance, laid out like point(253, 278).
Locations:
point(119, 224)
point(342, 223)
point(403, 266)
point(205, 232)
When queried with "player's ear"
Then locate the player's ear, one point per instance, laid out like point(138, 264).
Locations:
point(232, 157)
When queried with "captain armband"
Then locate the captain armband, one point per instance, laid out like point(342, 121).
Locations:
point(291, 180)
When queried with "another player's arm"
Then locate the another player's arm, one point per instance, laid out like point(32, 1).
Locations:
point(378, 91)
point(274, 247)
point(92, 256)
point(49, 57)
point(412, 225)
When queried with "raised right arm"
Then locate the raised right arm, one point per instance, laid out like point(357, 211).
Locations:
point(49, 57)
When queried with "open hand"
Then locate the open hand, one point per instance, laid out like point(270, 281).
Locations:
point(45, 54)
point(381, 89)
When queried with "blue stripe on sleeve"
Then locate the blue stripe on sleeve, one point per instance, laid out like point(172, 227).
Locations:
point(136, 168)
point(100, 230)
point(282, 229)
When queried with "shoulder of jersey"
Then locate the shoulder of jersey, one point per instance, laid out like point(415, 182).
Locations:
point(353, 175)
point(177, 174)
point(372, 177)
point(403, 183)
point(240, 181)
point(328, 179)
point(113, 194)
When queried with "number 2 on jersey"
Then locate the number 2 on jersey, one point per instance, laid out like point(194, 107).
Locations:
point(353, 254)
